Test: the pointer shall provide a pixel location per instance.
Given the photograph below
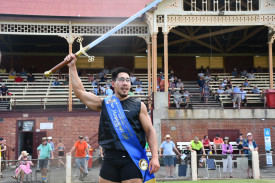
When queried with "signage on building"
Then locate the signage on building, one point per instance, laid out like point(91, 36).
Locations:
point(267, 140)
point(46, 126)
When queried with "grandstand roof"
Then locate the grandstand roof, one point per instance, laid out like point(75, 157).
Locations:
point(72, 8)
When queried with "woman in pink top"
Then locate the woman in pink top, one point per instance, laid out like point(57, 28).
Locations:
point(227, 150)
point(25, 166)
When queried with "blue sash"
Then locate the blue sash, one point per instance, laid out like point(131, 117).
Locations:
point(128, 137)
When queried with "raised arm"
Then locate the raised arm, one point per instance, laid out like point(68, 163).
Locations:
point(151, 137)
point(89, 99)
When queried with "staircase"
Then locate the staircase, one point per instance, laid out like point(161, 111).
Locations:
point(4, 105)
point(195, 101)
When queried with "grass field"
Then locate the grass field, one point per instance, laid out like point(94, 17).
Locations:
point(225, 181)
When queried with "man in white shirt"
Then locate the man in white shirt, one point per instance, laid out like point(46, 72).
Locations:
point(180, 84)
point(139, 90)
point(251, 75)
point(219, 91)
point(244, 96)
point(133, 78)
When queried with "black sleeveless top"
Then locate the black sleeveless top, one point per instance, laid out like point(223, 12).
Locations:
point(107, 137)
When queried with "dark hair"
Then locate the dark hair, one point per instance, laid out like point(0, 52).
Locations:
point(205, 136)
point(217, 135)
point(119, 70)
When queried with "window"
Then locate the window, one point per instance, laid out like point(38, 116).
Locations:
point(25, 125)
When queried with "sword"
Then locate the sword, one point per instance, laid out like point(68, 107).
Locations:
point(100, 39)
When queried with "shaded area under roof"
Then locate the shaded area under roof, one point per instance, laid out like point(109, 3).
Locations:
point(73, 8)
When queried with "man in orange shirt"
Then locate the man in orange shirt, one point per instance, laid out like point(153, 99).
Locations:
point(81, 149)
point(217, 143)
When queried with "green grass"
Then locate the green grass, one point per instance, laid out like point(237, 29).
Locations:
point(226, 181)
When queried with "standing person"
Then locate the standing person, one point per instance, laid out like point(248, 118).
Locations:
point(200, 84)
point(249, 145)
point(206, 144)
point(168, 147)
point(61, 148)
point(88, 154)
point(25, 166)
point(50, 141)
point(237, 97)
point(217, 143)
point(81, 149)
point(3, 148)
point(227, 150)
point(117, 157)
point(239, 143)
point(197, 146)
point(44, 153)
point(206, 92)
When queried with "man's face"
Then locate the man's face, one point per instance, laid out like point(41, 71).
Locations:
point(44, 142)
point(81, 140)
point(49, 140)
point(241, 89)
point(122, 84)
point(196, 139)
point(168, 139)
point(249, 137)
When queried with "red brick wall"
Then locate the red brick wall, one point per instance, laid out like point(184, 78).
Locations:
point(187, 129)
point(66, 128)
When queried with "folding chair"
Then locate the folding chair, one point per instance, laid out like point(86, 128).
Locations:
point(27, 177)
point(211, 165)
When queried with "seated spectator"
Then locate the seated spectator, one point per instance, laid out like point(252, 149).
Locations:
point(197, 146)
point(229, 83)
point(243, 96)
point(200, 84)
point(95, 82)
point(177, 99)
point(18, 79)
point(23, 73)
point(109, 91)
point(97, 76)
point(106, 70)
point(56, 82)
point(208, 77)
point(176, 81)
point(4, 90)
point(228, 90)
point(216, 78)
point(103, 78)
point(66, 82)
point(217, 143)
point(172, 91)
point(207, 71)
point(66, 76)
point(246, 83)
point(171, 83)
point(263, 97)
point(91, 78)
point(171, 76)
point(3, 70)
point(101, 74)
point(103, 89)
point(131, 92)
point(137, 82)
point(30, 78)
point(60, 75)
point(109, 84)
point(186, 97)
point(255, 89)
point(237, 96)
point(234, 72)
point(12, 74)
point(180, 84)
point(243, 72)
point(239, 143)
point(96, 90)
point(162, 85)
point(201, 74)
point(206, 91)
point(219, 91)
point(132, 78)
point(181, 90)
point(201, 70)
point(139, 90)
point(251, 75)
point(224, 84)
point(206, 144)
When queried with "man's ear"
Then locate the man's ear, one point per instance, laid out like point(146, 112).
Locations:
point(113, 84)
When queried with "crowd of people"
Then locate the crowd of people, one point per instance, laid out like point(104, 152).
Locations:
point(203, 148)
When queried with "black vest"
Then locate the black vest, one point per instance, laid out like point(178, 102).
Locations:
point(107, 137)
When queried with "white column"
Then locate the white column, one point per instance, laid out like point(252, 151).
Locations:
point(194, 166)
point(166, 61)
point(68, 168)
point(255, 165)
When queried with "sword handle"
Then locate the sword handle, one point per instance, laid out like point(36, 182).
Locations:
point(57, 67)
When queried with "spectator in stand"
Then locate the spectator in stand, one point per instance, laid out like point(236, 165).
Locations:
point(217, 143)
point(246, 83)
point(137, 82)
point(186, 97)
point(239, 143)
point(113, 68)
point(227, 150)
point(220, 91)
point(101, 74)
point(172, 91)
point(97, 76)
point(56, 82)
point(263, 97)
point(18, 79)
point(207, 71)
point(132, 78)
point(180, 84)
point(30, 78)
point(181, 90)
point(208, 77)
point(206, 91)
point(168, 147)
point(23, 73)
point(60, 75)
point(251, 75)
point(235, 72)
point(229, 83)
point(84, 74)
point(66, 82)
point(106, 70)
point(91, 78)
point(176, 81)
point(131, 92)
point(162, 85)
point(139, 90)
point(228, 90)
point(102, 89)
point(206, 145)
point(95, 82)
point(255, 89)
point(177, 99)
point(201, 70)
point(109, 91)
point(243, 96)
point(200, 84)
point(243, 72)
point(197, 146)
point(237, 96)
point(224, 84)
point(67, 76)
point(201, 74)
point(3, 70)
point(4, 91)
point(103, 78)
point(171, 76)
point(249, 145)
point(96, 90)
point(171, 83)
point(12, 74)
